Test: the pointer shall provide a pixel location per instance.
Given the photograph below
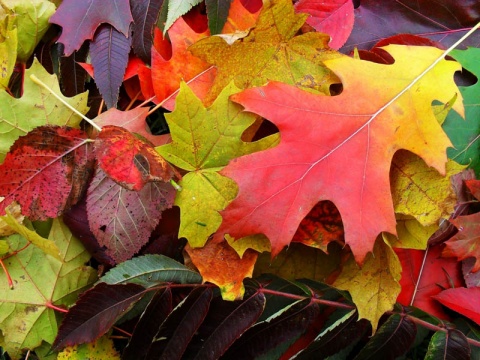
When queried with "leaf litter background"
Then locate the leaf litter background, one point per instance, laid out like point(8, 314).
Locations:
point(246, 191)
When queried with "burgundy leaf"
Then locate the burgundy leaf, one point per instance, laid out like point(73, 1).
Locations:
point(46, 171)
point(72, 74)
point(95, 313)
point(122, 220)
point(80, 19)
point(181, 325)
point(444, 21)
point(449, 345)
point(334, 17)
point(147, 327)
point(109, 52)
point(145, 13)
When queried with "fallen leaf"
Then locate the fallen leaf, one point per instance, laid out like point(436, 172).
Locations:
point(144, 14)
point(128, 160)
point(177, 8)
point(36, 107)
point(240, 18)
point(40, 281)
point(80, 19)
point(374, 287)
point(220, 264)
point(449, 344)
point(122, 220)
point(16, 212)
point(292, 177)
point(217, 13)
point(462, 300)
point(8, 48)
point(46, 171)
point(410, 233)
point(333, 17)
point(101, 349)
point(274, 53)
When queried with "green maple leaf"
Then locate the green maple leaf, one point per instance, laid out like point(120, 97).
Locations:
point(26, 316)
point(35, 108)
point(204, 140)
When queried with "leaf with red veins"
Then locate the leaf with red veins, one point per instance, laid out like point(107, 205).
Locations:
point(128, 160)
point(46, 171)
point(466, 242)
point(122, 220)
point(80, 19)
point(334, 17)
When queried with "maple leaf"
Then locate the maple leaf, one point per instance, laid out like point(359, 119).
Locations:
point(321, 138)
point(220, 264)
point(46, 171)
point(80, 19)
point(274, 53)
point(41, 281)
point(36, 107)
point(379, 278)
point(203, 141)
point(122, 220)
point(128, 160)
point(462, 300)
point(333, 17)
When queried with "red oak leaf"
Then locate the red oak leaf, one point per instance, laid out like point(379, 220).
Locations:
point(330, 151)
point(122, 220)
point(46, 171)
point(334, 17)
point(462, 300)
point(80, 19)
point(421, 281)
point(128, 160)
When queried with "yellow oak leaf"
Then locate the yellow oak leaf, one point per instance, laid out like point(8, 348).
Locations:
point(375, 286)
point(410, 233)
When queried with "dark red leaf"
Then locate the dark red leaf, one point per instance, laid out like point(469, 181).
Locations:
point(471, 279)
point(80, 19)
point(122, 220)
point(109, 52)
point(95, 313)
point(449, 345)
point(128, 160)
point(72, 75)
point(474, 187)
point(145, 13)
point(444, 21)
point(46, 171)
point(465, 301)
point(181, 325)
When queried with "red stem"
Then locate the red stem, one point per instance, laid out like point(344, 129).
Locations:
point(9, 279)
point(54, 307)
point(300, 297)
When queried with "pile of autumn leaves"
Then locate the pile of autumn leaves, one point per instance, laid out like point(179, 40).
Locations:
point(376, 150)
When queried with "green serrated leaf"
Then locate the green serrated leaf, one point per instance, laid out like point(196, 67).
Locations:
point(150, 270)
point(26, 316)
point(177, 8)
point(35, 108)
point(217, 13)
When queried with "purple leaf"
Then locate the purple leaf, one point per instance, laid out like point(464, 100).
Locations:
point(122, 220)
point(145, 13)
point(95, 313)
point(109, 52)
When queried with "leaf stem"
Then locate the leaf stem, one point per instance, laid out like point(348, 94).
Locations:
point(54, 307)
point(37, 81)
point(5, 270)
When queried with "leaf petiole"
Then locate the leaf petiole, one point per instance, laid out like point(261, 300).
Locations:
point(175, 185)
point(37, 81)
point(9, 278)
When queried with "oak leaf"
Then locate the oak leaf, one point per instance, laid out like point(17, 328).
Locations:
point(46, 171)
point(274, 53)
point(80, 19)
point(321, 138)
point(36, 107)
point(40, 281)
point(203, 141)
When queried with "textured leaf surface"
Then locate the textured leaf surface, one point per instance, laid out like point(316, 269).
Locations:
point(145, 13)
point(150, 270)
point(35, 108)
point(369, 130)
point(47, 155)
point(122, 220)
point(333, 17)
point(95, 313)
point(101, 349)
point(203, 141)
point(128, 160)
point(220, 264)
point(462, 300)
point(80, 19)
point(464, 132)
point(8, 48)
point(379, 278)
point(40, 280)
point(109, 54)
point(274, 53)
point(450, 345)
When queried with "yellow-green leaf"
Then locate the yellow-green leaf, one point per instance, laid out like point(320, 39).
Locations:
point(374, 287)
point(101, 349)
point(410, 233)
point(8, 48)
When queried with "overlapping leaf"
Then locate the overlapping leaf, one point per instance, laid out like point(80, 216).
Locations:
point(40, 281)
point(320, 137)
point(8, 48)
